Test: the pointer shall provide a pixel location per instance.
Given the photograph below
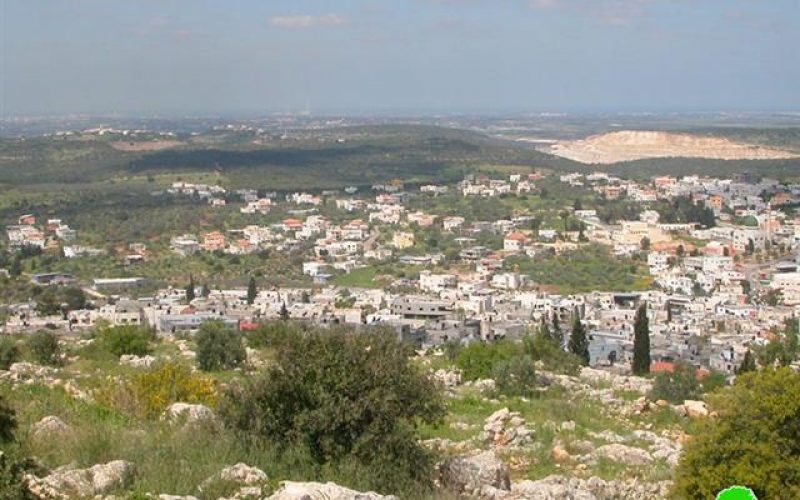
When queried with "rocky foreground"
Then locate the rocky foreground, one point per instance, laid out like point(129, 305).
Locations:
point(497, 459)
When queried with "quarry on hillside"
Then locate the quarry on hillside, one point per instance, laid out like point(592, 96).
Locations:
point(629, 145)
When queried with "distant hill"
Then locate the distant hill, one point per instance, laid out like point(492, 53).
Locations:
point(329, 158)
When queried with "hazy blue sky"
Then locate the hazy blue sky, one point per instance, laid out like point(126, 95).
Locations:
point(206, 56)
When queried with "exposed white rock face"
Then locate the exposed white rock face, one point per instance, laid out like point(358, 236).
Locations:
point(470, 475)
point(79, 483)
point(192, 413)
point(620, 453)
point(48, 428)
point(506, 429)
point(291, 490)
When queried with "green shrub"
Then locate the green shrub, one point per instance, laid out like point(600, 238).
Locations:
point(516, 377)
point(9, 353)
point(127, 339)
point(478, 359)
point(677, 386)
point(552, 357)
point(219, 347)
point(752, 442)
point(271, 334)
point(8, 422)
point(352, 400)
point(43, 348)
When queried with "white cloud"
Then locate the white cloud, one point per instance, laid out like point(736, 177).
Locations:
point(300, 22)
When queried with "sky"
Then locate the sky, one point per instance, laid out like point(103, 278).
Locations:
point(195, 57)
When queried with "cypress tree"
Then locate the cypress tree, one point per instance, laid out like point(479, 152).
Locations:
point(190, 289)
point(555, 332)
point(641, 342)
point(748, 363)
point(252, 291)
point(578, 343)
point(284, 313)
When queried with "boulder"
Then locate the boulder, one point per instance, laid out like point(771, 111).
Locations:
point(468, 475)
point(49, 427)
point(78, 483)
point(559, 454)
point(620, 453)
point(485, 385)
point(242, 473)
point(291, 490)
point(192, 413)
point(695, 409)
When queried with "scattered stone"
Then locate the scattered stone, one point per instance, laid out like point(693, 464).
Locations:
point(137, 361)
point(569, 425)
point(506, 429)
point(468, 475)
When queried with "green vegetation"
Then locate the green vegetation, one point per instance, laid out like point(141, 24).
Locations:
point(9, 353)
point(43, 348)
point(478, 359)
point(219, 347)
point(586, 269)
point(347, 400)
point(147, 394)
point(578, 343)
point(129, 339)
point(641, 342)
point(516, 377)
point(753, 442)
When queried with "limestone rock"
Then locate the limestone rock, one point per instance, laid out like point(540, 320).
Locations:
point(468, 475)
point(242, 473)
point(623, 454)
point(448, 379)
point(137, 361)
point(695, 409)
point(192, 413)
point(505, 428)
point(77, 483)
point(291, 490)
point(49, 427)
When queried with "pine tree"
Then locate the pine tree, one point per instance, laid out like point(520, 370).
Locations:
point(578, 343)
point(252, 291)
point(190, 289)
point(748, 363)
point(641, 342)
